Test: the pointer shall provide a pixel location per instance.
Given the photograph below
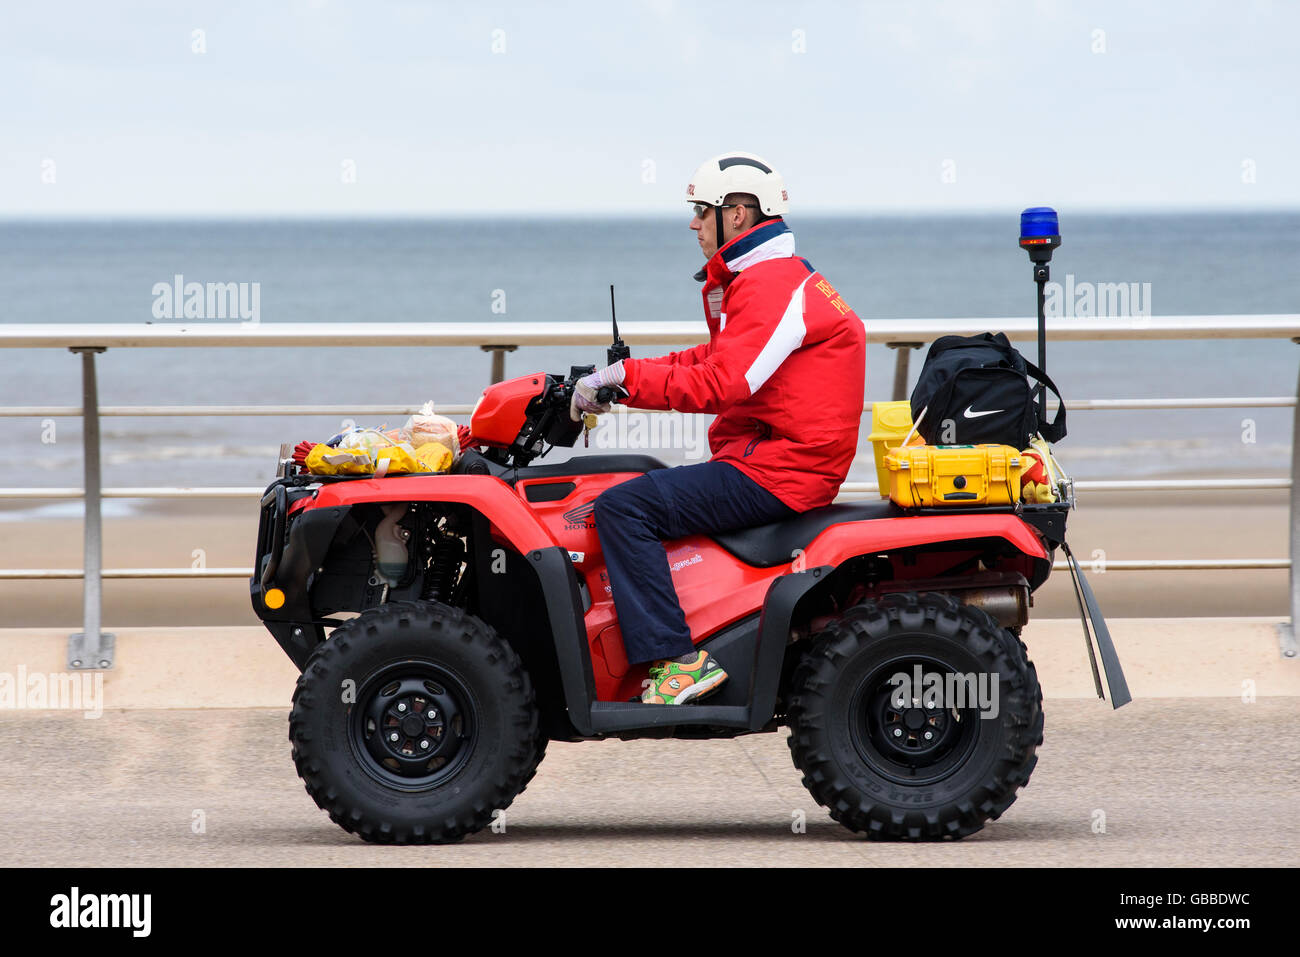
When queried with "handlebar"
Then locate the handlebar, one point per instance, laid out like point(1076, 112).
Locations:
point(610, 393)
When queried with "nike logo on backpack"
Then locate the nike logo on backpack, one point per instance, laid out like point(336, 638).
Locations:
point(975, 415)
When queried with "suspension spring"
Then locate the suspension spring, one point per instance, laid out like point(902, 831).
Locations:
point(444, 568)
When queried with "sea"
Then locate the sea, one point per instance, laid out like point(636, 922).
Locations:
point(542, 271)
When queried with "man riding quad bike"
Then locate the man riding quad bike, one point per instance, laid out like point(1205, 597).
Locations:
point(436, 668)
point(783, 370)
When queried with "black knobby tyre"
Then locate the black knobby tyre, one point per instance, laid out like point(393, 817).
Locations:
point(413, 724)
point(913, 772)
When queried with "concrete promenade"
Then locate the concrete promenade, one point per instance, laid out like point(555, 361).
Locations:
point(189, 765)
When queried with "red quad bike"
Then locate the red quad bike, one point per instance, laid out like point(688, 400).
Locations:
point(447, 626)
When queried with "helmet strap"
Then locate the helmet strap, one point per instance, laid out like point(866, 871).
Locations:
point(717, 215)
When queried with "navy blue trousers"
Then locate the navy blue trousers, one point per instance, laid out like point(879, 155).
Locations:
point(635, 518)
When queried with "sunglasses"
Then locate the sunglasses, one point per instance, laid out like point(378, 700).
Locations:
point(702, 208)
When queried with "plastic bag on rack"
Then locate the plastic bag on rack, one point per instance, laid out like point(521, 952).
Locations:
point(426, 426)
point(366, 440)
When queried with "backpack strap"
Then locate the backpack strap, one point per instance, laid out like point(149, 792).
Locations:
point(1052, 431)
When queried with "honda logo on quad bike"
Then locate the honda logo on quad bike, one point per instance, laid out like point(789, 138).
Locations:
point(581, 517)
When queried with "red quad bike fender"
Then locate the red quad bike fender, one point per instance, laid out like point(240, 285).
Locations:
point(317, 514)
point(841, 542)
point(510, 517)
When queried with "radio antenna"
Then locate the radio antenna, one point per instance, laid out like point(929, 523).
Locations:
point(618, 350)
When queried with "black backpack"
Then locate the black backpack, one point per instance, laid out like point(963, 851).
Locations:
point(975, 389)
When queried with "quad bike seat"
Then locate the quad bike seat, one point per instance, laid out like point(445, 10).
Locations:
point(764, 546)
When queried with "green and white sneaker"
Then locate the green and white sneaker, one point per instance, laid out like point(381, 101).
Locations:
point(673, 682)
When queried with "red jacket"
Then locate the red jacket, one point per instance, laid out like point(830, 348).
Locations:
point(784, 370)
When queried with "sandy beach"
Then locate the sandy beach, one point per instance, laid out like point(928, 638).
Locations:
point(1123, 526)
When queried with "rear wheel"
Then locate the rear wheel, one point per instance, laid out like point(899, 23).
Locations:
point(413, 724)
point(915, 718)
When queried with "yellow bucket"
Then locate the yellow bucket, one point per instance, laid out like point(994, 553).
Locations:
point(890, 423)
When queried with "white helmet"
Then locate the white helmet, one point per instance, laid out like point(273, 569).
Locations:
point(739, 173)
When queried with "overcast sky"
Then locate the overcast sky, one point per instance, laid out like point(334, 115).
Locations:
point(323, 107)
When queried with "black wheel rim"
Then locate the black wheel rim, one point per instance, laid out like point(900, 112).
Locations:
point(920, 743)
point(413, 726)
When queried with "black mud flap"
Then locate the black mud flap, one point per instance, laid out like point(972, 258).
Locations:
point(1089, 610)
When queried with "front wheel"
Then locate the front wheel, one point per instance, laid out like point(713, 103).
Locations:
point(413, 724)
point(915, 718)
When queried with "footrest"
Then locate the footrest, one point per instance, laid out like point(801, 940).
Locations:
point(630, 715)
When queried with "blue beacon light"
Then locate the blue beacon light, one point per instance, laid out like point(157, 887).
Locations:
point(1040, 233)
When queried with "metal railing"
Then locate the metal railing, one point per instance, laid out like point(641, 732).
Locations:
point(92, 648)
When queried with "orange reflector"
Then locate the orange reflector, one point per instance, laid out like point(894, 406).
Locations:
point(273, 598)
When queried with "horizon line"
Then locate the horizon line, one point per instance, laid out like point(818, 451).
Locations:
point(602, 215)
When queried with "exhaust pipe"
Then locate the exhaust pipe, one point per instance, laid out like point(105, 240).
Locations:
point(1008, 605)
point(1004, 596)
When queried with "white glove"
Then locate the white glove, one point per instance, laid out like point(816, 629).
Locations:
point(584, 391)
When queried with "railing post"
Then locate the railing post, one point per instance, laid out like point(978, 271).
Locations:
point(904, 350)
point(90, 649)
point(498, 360)
point(1288, 630)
